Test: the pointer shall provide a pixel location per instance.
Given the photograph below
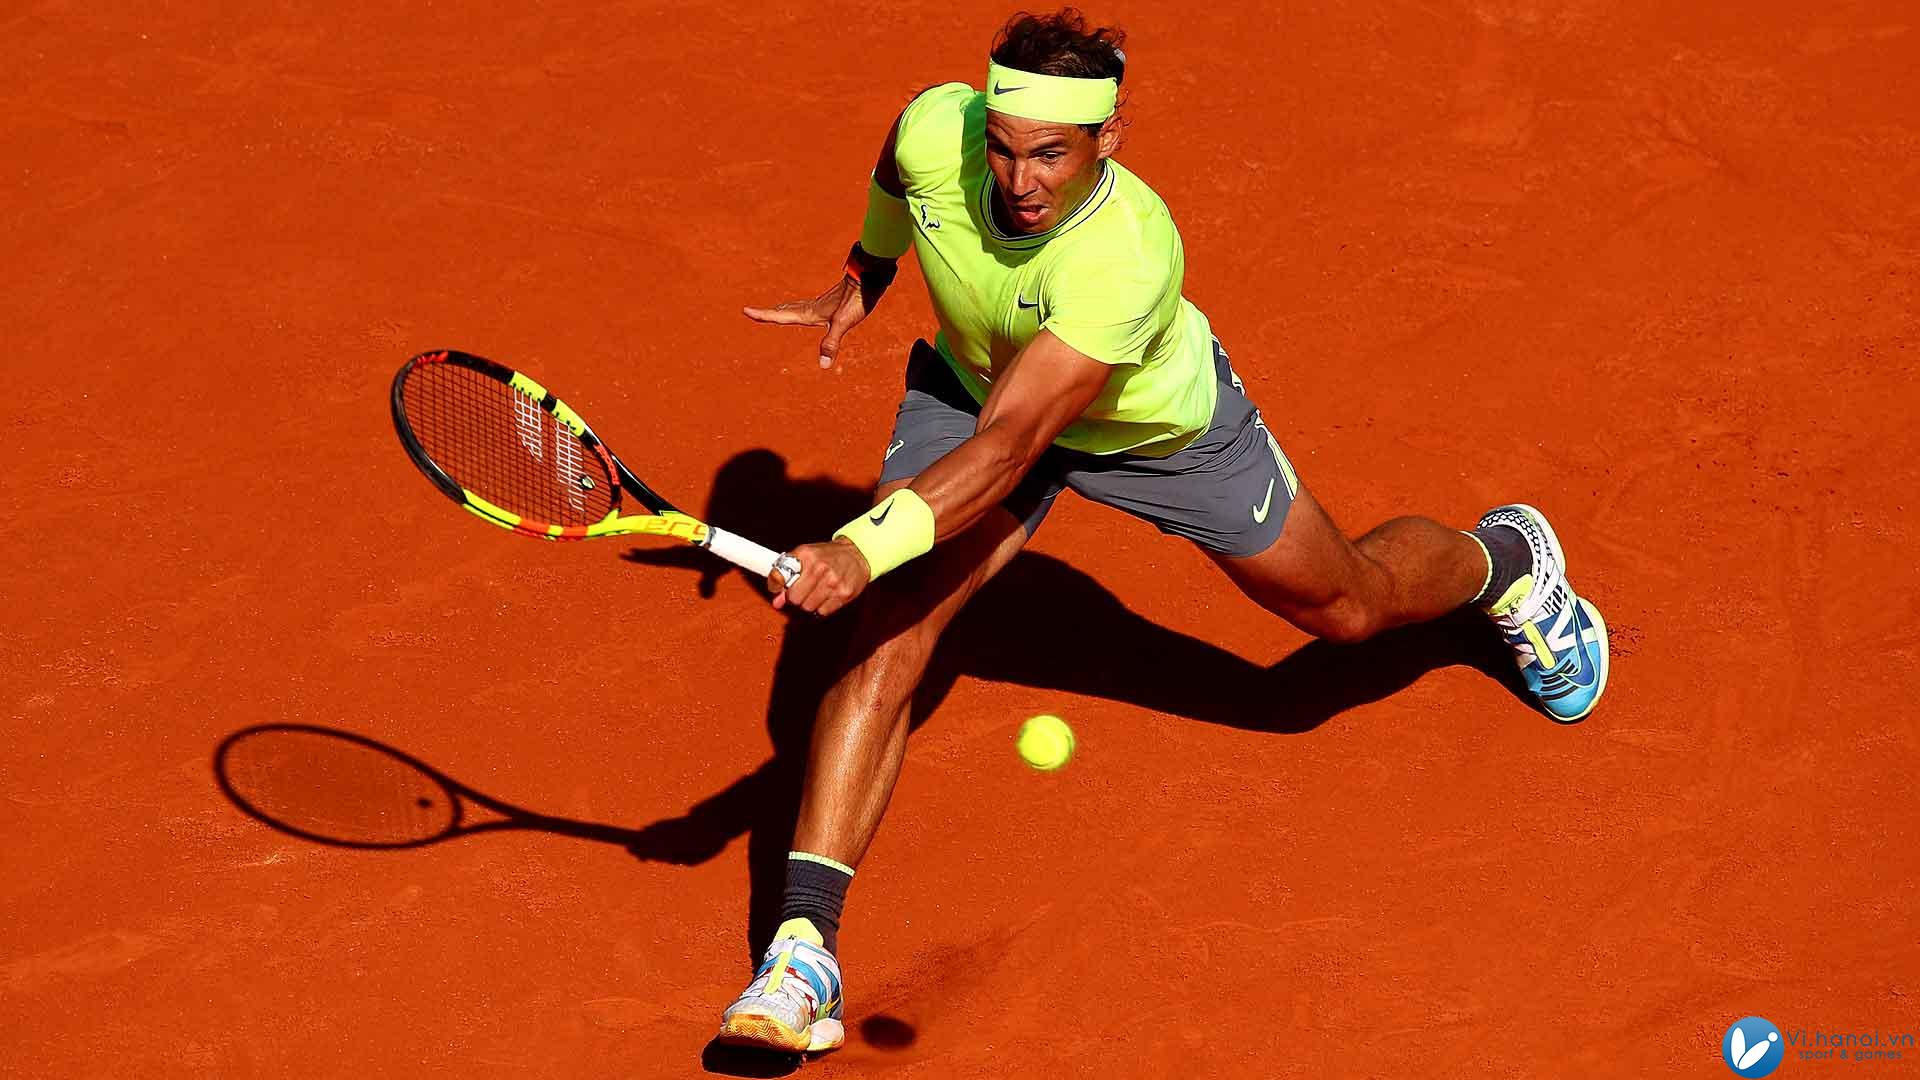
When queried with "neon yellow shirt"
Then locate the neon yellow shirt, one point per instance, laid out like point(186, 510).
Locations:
point(1105, 280)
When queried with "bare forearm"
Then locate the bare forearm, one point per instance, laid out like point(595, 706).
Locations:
point(974, 477)
point(1040, 393)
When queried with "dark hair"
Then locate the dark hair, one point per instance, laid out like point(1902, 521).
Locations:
point(1061, 44)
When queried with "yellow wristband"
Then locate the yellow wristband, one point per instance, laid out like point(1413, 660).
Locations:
point(898, 529)
point(888, 230)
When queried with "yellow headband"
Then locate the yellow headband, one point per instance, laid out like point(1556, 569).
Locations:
point(1053, 98)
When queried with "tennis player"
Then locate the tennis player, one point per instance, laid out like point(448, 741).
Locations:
point(1067, 358)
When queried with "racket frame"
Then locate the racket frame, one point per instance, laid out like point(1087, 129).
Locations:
point(661, 519)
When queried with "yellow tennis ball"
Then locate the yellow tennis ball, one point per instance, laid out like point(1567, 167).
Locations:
point(1045, 742)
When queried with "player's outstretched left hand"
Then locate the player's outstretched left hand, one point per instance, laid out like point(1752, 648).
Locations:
point(831, 575)
point(839, 309)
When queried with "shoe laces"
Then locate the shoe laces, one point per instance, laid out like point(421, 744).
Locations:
point(797, 993)
point(793, 987)
point(1537, 607)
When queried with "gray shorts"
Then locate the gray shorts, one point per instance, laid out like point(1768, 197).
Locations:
point(1228, 490)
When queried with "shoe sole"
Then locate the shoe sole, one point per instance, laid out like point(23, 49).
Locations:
point(767, 1033)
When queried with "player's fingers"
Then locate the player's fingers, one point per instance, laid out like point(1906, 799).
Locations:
point(802, 589)
point(791, 313)
point(845, 318)
point(828, 592)
point(818, 596)
point(839, 593)
point(830, 344)
point(776, 588)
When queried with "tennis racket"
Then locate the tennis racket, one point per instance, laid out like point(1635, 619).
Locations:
point(500, 444)
point(345, 790)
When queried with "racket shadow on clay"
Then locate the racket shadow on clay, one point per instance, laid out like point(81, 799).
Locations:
point(341, 789)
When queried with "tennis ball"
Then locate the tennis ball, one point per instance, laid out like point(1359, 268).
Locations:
point(1045, 742)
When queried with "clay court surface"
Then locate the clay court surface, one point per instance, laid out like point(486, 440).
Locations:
point(1649, 268)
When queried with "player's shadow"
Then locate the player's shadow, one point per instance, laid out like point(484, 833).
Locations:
point(1024, 627)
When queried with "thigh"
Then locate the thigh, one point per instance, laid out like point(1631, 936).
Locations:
point(1231, 491)
point(1310, 566)
point(936, 415)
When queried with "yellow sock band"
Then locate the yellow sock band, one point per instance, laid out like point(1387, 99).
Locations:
point(888, 230)
point(808, 856)
point(898, 529)
point(1488, 555)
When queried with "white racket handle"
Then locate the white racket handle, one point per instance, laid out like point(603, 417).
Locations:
point(750, 556)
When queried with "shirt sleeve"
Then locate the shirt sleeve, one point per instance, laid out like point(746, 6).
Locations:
point(927, 146)
point(1105, 306)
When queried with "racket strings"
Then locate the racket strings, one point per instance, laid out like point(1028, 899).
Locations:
point(337, 789)
point(496, 443)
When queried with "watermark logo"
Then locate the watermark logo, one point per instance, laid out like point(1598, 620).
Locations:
point(1751, 1047)
point(1755, 1046)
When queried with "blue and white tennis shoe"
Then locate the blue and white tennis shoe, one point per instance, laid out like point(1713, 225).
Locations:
point(1559, 639)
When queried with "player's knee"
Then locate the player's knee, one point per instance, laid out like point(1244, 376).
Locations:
point(1345, 621)
point(884, 677)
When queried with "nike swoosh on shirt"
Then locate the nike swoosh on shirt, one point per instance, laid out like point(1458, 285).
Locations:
point(1024, 302)
point(1259, 512)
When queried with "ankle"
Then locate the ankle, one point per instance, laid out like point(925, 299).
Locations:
point(816, 894)
point(1508, 560)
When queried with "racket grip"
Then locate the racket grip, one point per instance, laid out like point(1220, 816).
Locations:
point(750, 556)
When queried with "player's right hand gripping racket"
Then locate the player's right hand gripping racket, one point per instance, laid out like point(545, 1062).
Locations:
point(499, 444)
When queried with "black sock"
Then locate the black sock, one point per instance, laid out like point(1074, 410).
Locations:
point(816, 892)
point(1512, 560)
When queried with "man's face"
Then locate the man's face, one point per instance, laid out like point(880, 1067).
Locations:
point(1044, 170)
